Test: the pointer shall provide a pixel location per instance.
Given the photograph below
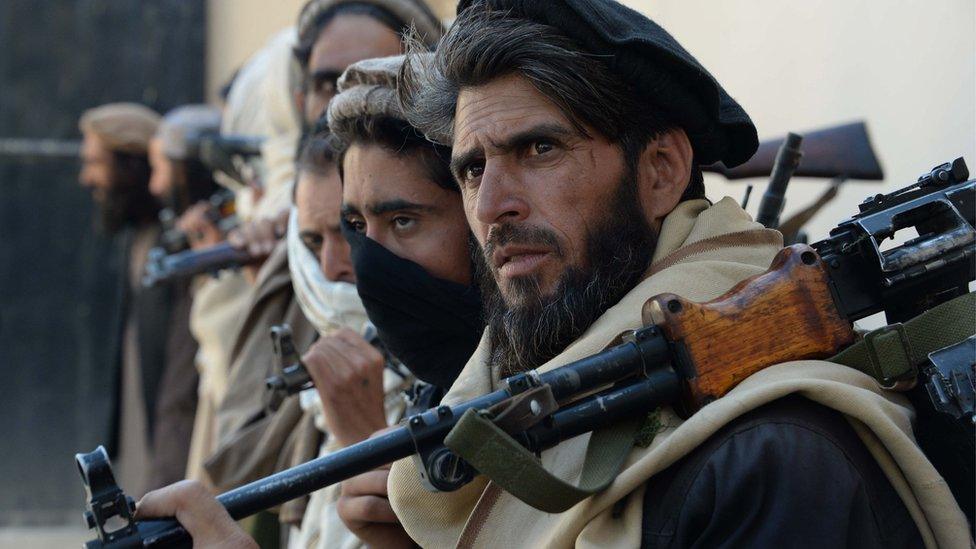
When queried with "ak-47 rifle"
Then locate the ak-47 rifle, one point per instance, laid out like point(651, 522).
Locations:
point(221, 211)
point(810, 296)
point(162, 267)
point(838, 151)
point(293, 376)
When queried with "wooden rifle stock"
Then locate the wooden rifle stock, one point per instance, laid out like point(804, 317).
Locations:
point(841, 151)
point(786, 313)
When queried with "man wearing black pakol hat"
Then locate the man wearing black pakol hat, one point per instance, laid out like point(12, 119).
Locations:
point(576, 128)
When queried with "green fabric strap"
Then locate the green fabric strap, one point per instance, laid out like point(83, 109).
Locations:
point(893, 353)
point(510, 465)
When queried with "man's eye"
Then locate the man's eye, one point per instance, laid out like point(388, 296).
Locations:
point(357, 225)
point(542, 147)
point(473, 171)
point(314, 245)
point(403, 222)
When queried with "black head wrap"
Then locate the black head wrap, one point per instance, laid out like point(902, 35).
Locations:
point(647, 57)
point(430, 324)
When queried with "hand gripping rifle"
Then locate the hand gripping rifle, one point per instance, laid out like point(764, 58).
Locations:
point(810, 297)
point(293, 376)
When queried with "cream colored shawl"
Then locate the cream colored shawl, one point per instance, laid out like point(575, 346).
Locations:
point(703, 251)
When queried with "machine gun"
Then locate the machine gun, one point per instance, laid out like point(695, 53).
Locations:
point(811, 295)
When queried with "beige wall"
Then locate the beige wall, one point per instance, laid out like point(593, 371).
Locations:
point(906, 66)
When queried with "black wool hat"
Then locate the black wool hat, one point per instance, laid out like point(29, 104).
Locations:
point(646, 56)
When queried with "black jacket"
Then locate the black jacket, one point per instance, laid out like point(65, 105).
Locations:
point(789, 474)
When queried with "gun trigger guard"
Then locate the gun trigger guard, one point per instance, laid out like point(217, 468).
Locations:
point(524, 410)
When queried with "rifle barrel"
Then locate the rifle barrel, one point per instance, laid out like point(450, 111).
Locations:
point(646, 354)
point(162, 268)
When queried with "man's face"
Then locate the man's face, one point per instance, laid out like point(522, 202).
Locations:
point(318, 199)
point(392, 200)
point(533, 185)
point(96, 167)
point(345, 40)
point(564, 228)
point(161, 178)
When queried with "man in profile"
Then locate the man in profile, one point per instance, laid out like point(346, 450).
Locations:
point(115, 168)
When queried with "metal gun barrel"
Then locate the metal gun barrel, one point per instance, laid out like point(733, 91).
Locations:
point(645, 354)
point(164, 268)
point(787, 159)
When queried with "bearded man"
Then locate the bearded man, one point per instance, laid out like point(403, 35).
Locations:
point(576, 126)
point(116, 169)
point(577, 129)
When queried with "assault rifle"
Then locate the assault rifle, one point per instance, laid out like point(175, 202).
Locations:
point(838, 151)
point(228, 154)
point(810, 296)
point(293, 377)
point(221, 211)
point(162, 267)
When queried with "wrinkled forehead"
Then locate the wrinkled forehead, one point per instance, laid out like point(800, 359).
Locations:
point(487, 115)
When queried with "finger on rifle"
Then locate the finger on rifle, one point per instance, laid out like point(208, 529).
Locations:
point(372, 483)
point(366, 509)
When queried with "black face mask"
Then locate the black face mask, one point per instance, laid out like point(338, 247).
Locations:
point(431, 325)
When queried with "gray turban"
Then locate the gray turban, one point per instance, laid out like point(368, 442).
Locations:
point(182, 128)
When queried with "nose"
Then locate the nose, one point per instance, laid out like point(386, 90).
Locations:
point(336, 261)
point(499, 198)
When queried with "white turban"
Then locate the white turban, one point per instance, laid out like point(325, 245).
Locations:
point(326, 304)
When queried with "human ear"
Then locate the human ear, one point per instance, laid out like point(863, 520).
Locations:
point(663, 171)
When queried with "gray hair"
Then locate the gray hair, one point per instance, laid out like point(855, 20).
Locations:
point(485, 44)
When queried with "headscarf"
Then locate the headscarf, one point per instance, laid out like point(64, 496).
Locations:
point(430, 324)
point(261, 104)
point(415, 13)
point(122, 127)
point(326, 304)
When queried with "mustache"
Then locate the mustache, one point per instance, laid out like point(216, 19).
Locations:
point(529, 235)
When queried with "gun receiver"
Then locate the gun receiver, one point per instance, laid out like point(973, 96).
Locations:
point(221, 211)
point(809, 297)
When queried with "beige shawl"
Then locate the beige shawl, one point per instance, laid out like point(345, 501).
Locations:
point(702, 252)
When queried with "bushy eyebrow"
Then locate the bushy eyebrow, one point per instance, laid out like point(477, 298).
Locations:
point(387, 206)
point(397, 205)
point(515, 141)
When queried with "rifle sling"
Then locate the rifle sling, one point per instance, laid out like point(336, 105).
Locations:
point(893, 353)
point(887, 354)
point(494, 453)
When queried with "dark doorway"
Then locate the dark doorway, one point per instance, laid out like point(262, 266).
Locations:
point(58, 289)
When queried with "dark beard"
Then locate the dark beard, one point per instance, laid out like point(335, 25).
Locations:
point(527, 335)
point(128, 200)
